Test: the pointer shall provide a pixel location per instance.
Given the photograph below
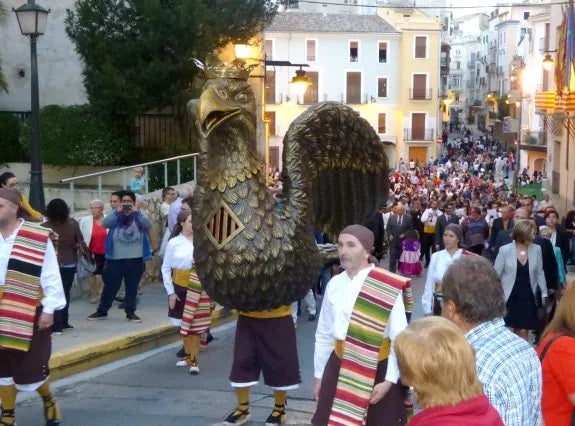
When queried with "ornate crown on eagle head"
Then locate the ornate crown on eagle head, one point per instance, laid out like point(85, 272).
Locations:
point(237, 70)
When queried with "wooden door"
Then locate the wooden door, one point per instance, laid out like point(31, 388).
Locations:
point(418, 154)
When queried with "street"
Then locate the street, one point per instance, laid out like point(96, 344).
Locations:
point(148, 389)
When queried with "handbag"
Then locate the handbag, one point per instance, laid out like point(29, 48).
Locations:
point(543, 353)
point(85, 268)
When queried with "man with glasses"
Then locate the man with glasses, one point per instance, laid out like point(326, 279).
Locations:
point(507, 365)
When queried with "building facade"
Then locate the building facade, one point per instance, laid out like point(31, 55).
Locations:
point(384, 66)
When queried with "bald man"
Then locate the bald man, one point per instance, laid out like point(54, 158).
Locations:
point(30, 291)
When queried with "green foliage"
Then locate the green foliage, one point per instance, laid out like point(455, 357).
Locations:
point(10, 147)
point(502, 107)
point(75, 135)
point(137, 53)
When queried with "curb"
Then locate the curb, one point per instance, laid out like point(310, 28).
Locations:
point(76, 360)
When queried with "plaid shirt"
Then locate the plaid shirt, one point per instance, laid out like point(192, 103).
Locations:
point(510, 372)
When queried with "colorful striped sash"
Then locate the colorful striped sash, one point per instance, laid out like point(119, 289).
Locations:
point(22, 287)
point(197, 316)
point(362, 345)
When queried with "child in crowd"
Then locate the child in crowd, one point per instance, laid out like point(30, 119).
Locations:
point(409, 263)
point(138, 182)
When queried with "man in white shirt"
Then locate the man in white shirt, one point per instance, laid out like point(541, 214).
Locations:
point(27, 308)
point(332, 339)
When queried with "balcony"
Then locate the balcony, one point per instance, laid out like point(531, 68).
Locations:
point(418, 135)
point(534, 141)
point(420, 94)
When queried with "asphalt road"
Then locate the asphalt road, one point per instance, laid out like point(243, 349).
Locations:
point(148, 389)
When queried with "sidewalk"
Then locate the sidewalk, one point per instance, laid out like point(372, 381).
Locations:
point(93, 343)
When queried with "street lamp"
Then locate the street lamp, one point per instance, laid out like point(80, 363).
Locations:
point(517, 69)
point(32, 21)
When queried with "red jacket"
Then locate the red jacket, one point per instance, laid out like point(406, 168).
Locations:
point(474, 412)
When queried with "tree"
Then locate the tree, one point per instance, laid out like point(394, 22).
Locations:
point(137, 53)
point(3, 82)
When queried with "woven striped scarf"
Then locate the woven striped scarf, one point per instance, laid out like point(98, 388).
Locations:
point(363, 341)
point(22, 287)
point(197, 316)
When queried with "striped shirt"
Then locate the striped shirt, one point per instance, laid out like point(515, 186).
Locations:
point(510, 372)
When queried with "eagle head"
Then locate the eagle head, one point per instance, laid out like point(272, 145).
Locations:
point(226, 101)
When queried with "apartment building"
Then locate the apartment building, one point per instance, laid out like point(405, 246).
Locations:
point(352, 59)
point(419, 109)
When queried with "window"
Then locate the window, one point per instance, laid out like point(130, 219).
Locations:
point(310, 50)
point(382, 52)
point(268, 49)
point(270, 116)
point(270, 87)
point(381, 123)
point(311, 94)
point(353, 51)
point(421, 47)
point(382, 87)
point(526, 15)
point(353, 92)
point(419, 91)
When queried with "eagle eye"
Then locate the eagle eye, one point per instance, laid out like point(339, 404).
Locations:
point(222, 93)
point(241, 97)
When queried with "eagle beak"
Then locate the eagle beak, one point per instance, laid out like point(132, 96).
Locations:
point(212, 110)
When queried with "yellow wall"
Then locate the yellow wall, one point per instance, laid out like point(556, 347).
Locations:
point(418, 24)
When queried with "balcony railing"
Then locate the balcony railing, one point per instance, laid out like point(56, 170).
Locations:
point(420, 94)
point(534, 138)
point(419, 135)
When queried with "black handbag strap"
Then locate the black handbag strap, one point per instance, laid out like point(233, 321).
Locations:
point(548, 344)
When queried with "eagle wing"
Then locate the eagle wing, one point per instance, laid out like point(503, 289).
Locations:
point(335, 158)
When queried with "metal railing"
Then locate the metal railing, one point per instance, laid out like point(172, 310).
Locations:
point(534, 138)
point(419, 135)
point(125, 182)
point(420, 94)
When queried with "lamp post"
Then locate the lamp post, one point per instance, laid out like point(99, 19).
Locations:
point(517, 66)
point(519, 105)
point(32, 21)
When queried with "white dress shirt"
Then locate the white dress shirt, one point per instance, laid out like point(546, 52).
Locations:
point(50, 280)
point(179, 255)
point(440, 261)
point(335, 314)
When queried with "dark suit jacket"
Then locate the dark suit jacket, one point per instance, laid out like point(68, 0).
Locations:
point(394, 230)
point(549, 262)
point(562, 241)
point(440, 226)
point(375, 223)
point(497, 226)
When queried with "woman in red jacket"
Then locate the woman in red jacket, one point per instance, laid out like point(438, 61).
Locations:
point(557, 351)
point(437, 361)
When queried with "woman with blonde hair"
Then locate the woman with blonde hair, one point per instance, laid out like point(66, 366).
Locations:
point(520, 267)
point(437, 361)
point(557, 352)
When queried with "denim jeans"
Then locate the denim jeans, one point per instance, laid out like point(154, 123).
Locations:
point(61, 315)
point(116, 270)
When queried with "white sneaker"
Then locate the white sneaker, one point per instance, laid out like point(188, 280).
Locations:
point(194, 368)
point(182, 363)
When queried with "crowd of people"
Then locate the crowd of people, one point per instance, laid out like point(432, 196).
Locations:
point(494, 347)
